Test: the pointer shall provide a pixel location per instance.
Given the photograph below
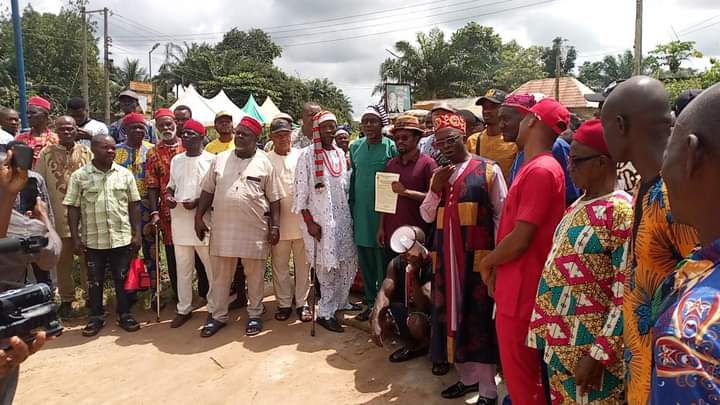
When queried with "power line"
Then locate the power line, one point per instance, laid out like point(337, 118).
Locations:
point(419, 26)
point(139, 25)
point(700, 28)
point(693, 26)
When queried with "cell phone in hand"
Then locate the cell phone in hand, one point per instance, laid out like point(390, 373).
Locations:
point(29, 195)
point(22, 157)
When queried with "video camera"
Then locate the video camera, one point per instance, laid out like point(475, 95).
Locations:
point(25, 309)
point(29, 245)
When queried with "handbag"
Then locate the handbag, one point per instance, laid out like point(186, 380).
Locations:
point(138, 279)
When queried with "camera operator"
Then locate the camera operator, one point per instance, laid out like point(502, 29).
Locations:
point(14, 266)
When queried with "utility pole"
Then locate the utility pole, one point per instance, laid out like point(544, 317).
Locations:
point(557, 75)
point(107, 66)
point(20, 58)
point(85, 91)
point(638, 37)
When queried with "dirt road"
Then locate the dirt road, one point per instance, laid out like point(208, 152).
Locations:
point(283, 365)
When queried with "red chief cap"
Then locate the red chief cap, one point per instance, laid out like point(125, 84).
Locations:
point(252, 124)
point(133, 118)
point(590, 134)
point(164, 112)
point(553, 114)
point(40, 102)
point(194, 125)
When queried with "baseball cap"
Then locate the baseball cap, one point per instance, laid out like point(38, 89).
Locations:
point(684, 99)
point(552, 113)
point(495, 96)
point(129, 93)
point(223, 114)
point(280, 125)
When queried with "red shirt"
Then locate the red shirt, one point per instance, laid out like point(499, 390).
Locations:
point(157, 175)
point(415, 175)
point(537, 196)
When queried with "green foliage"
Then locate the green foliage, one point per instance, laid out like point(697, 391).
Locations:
point(672, 55)
point(598, 75)
point(131, 71)
point(472, 61)
point(675, 86)
point(53, 57)
point(550, 54)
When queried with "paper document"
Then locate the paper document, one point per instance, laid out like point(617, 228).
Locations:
point(385, 197)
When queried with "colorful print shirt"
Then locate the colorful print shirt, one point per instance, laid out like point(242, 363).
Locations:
point(687, 349)
point(578, 309)
point(157, 175)
point(658, 245)
point(38, 143)
point(134, 160)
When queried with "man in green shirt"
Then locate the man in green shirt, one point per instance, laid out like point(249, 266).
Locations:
point(103, 205)
point(369, 156)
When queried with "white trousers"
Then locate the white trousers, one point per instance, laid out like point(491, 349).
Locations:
point(335, 286)
point(282, 282)
point(223, 271)
point(185, 262)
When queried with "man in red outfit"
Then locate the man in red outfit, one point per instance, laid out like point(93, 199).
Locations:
point(533, 208)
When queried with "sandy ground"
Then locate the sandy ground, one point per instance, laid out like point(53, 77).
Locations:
point(282, 365)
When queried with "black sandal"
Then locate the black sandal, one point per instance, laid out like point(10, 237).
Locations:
point(211, 327)
point(128, 323)
point(283, 314)
point(254, 326)
point(93, 327)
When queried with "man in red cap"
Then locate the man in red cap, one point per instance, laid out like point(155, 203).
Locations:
point(157, 176)
point(533, 208)
point(512, 112)
point(580, 335)
point(242, 187)
point(187, 171)
point(464, 202)
point(39, 134)
point(132, 155)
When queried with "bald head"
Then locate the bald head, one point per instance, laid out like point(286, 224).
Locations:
point(636, 119)
point(66, 130)
point(691, 166)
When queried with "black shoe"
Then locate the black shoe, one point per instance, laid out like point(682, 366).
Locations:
point(128, 323)
point(93, 327)
point(364, 316)
point(352, 307)
point(459, 390)
point(180, 320)
point(283, 314)
point(405, 354)
point(486, 401)
point(440, 368)
point(331, 324)
point(211, 327)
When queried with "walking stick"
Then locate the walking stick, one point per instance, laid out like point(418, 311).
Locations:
point(313, 287)
point(157, 274)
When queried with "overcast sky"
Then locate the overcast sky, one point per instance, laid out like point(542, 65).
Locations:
point(311, 32)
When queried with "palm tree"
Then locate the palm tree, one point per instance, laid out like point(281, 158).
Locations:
point(131, 71)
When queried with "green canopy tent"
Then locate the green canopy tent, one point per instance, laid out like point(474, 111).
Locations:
point(252, 109)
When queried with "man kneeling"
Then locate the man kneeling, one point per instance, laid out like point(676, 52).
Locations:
point(403, 304)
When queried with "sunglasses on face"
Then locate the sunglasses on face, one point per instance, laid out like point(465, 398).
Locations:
point(575, 160)
point(445, 142)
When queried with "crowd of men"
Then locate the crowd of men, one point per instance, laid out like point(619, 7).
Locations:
point(515, 242)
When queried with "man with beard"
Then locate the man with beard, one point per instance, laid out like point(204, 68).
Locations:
point(55, 164)
point(368, 156)
point(40, 134)
point(242, 187)
point(464, 202)
point(157, 176)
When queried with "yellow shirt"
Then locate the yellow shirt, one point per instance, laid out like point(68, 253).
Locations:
point(494, 148)
point(216, 146)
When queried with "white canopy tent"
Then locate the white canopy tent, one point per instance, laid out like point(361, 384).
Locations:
point(221, 102)
point(201, 109)
point(269, 109)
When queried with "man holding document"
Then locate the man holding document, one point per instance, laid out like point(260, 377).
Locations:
point(368, 155)
point(465, 201)
point(413, 171)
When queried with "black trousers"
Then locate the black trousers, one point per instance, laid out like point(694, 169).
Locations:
point(203, 284)
point(117, 261)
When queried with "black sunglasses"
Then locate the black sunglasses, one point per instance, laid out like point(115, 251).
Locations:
point(575, 160)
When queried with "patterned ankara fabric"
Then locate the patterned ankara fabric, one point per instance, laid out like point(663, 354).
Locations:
point(578, 309)
point(38, 143)
point(157, 175)
point(687, 350)
point(658, 245)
